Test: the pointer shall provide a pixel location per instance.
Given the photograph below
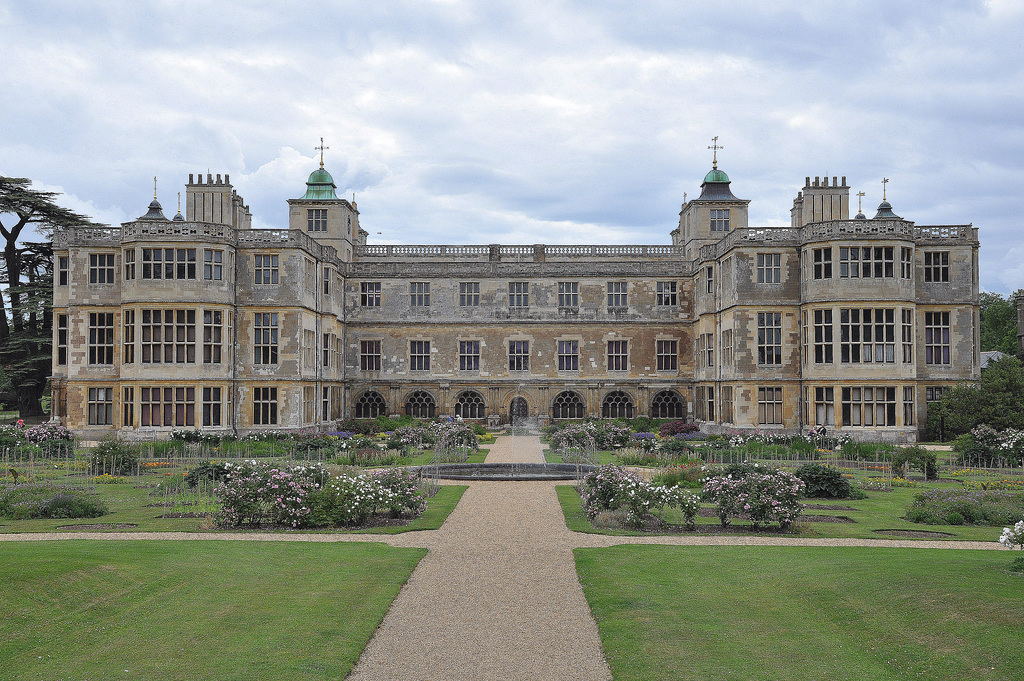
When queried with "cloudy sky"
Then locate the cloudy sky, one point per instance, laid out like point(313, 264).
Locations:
point(525, 121)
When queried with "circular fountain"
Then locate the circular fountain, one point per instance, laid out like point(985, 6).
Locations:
point(503, 471)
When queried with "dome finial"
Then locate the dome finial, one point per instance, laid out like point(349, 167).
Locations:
point(154, 187)
point(860, 197)
point(885, 181)
point(321, 150)
point(715, 146)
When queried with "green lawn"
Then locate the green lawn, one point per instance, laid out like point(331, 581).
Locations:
point(773, 613)
point(193, 609)
point(880, 511)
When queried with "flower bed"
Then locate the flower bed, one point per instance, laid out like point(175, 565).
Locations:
point(970, 507)
point(610, 488)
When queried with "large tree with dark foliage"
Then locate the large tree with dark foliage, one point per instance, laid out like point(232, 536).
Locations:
point(999, 322)
point(26, 325)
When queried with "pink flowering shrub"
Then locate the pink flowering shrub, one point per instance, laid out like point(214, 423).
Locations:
point(612, 487)
point(762, 494)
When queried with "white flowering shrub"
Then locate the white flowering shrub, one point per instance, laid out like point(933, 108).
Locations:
point(1013, 536)
point(613, 487)
point(762, 494)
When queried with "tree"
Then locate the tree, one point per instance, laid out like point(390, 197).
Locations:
point(998, 322)
point(26, 325)
point(997, 400)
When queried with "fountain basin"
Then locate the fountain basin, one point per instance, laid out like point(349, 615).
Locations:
point(503, 471)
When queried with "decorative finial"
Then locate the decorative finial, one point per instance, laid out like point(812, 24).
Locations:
point(321, 150)
point(684, 198)
point(179, 202)
point(715, 146)
point(885, 181)
point(860, 195)
point(154, 187)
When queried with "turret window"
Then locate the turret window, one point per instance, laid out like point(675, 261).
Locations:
point(316, 220)
point(720, 220)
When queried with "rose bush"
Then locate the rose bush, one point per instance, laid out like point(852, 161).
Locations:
point(762, 494)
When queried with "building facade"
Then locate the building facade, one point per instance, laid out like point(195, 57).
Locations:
point(202, 321)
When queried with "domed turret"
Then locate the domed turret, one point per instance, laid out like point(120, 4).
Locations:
point(156, 212)
point(885, 212)
point(320, 186)
point(716, 186)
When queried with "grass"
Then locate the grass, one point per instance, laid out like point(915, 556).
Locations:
point(880, 511)
point(160, 610)
point(439, 507)
point(743, 612)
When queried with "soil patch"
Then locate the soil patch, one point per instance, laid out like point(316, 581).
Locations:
point(804, 518)
point(185, 515)
point(913, 534)
point(92, 527)
point(829, 507)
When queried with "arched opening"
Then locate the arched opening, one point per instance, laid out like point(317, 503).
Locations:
point(518, 410)
point(420, 404)
point(617, 404)
point(370, 405)
point(668, 405)
point(567, 405)
point(470, 405)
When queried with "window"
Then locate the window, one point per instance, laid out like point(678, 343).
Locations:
point(419, 355)
point(128, 407)
point(823, 348)
point(667, 405)
point(101, 406)
point(369, 355)
point(62, 339)
point(470, 405)
point(519, 294)
point(469, 355)
point(62, 270)
point(617, 295)
point(709, 278)
point(265, 268)
point(309, 270)
point(370, 405)
point(316, 220)
point(869, 406)
point(469, 294)
point(769, 268)
point(720, 220)
point(936, 266)
point(769, 338)
point(308, 404)
point(618, 355)
point(213, 335)
point(308, 348)
point(421, 405)
point(908, 335)
point(569, 294)
point(933, 393)
point(727, 404)
point(128, 337)
point(101, 338)
point(519, 355)
point(706, 402)
point(168, 263)
point(906, 263)
point(666, 293)
point(419, 293)
point(824, 406)
point(617, 404)
point(705, 350)
point(213, 264)
point(727, 355)
point(211, 406)
point(264, 406)
point(165, 406)
point(327, 282)
point(936, 338)
point(369, 294)
point(667, 352)
point(128, 258)
point(168, 336)
point(908, 405)
point(769, 406)
point(822, 258)
point(265, 338)
point(867, 335)
point(327, 351)
point(865, 262)
point(568, 355)
point(567, 405)
point(101, 268)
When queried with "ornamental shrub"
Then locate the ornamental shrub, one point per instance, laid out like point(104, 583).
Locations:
point(764, 495)
point(114, 456)
point(918, 457)
point(673, 428)
point(214, 471)
point(676, 445)
point(647, 442)
point(975, 507)
point(1013, 536)
point(611, 487)
point(823, 482)
point(258, 493)
point(44, 500)
point(51, 438)
point(454, 435)
point(575, 437)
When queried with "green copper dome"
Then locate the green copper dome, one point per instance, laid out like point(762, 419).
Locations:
point(716, 175)
point(320, 186)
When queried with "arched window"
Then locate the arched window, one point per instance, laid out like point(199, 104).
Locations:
point(617, 404)
point(668, 405)
point(420, 404)
point(470, 405)
point(518, 410)
point(567, 405)
point(370, 405)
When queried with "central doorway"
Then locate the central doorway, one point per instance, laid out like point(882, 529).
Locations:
point(518, 411)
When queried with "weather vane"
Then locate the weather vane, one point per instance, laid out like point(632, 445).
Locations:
point(154, 187)
point(885, 181)
point(860, 195)
point(716, 146)
point(321, 150)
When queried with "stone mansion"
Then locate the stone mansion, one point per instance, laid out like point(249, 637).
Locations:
point(201, 321)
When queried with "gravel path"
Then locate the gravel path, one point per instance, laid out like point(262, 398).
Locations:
point(497, 596)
